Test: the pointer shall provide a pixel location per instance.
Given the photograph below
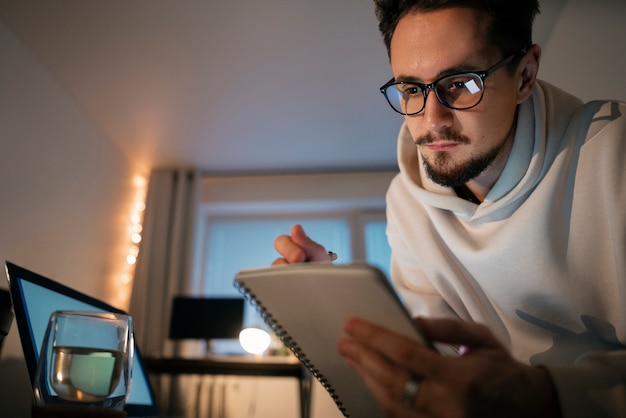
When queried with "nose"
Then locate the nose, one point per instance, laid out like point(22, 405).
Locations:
point(437, 117)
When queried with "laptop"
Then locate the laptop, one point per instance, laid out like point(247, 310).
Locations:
point(35, 297)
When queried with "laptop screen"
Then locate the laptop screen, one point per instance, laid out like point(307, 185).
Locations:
point(35, 298)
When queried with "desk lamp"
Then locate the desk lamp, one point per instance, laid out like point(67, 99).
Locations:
point(199, 318)
point(254, 340)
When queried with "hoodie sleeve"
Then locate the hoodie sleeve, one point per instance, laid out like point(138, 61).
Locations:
point(594, 387)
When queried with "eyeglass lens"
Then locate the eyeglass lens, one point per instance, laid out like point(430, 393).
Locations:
point(461, 91)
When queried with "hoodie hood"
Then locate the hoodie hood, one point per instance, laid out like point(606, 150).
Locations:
point(538, 139)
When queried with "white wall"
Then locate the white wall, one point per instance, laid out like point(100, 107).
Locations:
point(584, 53)
point(65, 194)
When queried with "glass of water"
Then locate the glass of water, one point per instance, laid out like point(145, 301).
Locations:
point(85, 360)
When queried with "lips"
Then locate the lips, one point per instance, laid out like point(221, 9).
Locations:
point(442, 145)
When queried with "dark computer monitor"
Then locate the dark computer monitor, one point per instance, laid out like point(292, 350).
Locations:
point(206, 318)
point(35, 297)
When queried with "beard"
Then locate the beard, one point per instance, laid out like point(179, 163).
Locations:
point(444, 171)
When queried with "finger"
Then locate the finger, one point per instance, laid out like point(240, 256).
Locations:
point(312, 250)
point(465, 334)
point(385, 381)
point(391, 404)
point(279, 262)
point(407, 353)
point(388, 369)
point(291, 252)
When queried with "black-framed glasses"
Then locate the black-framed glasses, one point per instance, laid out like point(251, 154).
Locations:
point(459, 91)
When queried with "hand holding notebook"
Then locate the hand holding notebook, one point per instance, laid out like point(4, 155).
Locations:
point(306, 305)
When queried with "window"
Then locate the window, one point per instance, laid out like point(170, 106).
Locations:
point(237, 225)
point(235, 244)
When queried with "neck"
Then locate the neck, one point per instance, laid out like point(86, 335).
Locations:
point(480, 185)
point(465, 193)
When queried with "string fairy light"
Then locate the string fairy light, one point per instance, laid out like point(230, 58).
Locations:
point(135, 229)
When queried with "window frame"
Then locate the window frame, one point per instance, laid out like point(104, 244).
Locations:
point(359, 197)
point(356, 220)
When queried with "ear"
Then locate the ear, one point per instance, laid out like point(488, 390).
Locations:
point(528, 69)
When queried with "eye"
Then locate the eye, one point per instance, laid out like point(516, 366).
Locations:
point(409, 89)
point(458, 84)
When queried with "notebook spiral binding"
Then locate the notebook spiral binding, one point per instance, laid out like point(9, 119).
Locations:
point(291, 344)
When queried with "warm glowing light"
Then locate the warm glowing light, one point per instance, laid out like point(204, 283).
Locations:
point(140, 182)
point(124, 278)
point(254, 340)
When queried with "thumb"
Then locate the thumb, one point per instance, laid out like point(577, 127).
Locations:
point(313, 250)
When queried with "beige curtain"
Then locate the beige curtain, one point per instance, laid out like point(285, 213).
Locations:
point(163, 267)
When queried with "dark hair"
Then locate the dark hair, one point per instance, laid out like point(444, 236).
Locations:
point(511, 22)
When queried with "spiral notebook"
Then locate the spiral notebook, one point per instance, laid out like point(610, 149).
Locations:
point(306, 305)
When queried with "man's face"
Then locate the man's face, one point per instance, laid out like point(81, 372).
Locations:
point(457, 145)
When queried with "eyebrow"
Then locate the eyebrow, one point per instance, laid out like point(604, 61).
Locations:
point(450, 71)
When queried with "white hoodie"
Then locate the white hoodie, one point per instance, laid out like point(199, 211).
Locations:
point(542, 261)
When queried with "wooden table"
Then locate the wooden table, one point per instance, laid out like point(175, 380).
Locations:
point(238, 366)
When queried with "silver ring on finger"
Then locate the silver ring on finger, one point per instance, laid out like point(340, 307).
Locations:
point(411, 387)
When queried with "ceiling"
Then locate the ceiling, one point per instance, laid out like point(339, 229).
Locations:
point(273, 85)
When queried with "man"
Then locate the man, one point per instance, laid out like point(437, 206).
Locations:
point(507, 225)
